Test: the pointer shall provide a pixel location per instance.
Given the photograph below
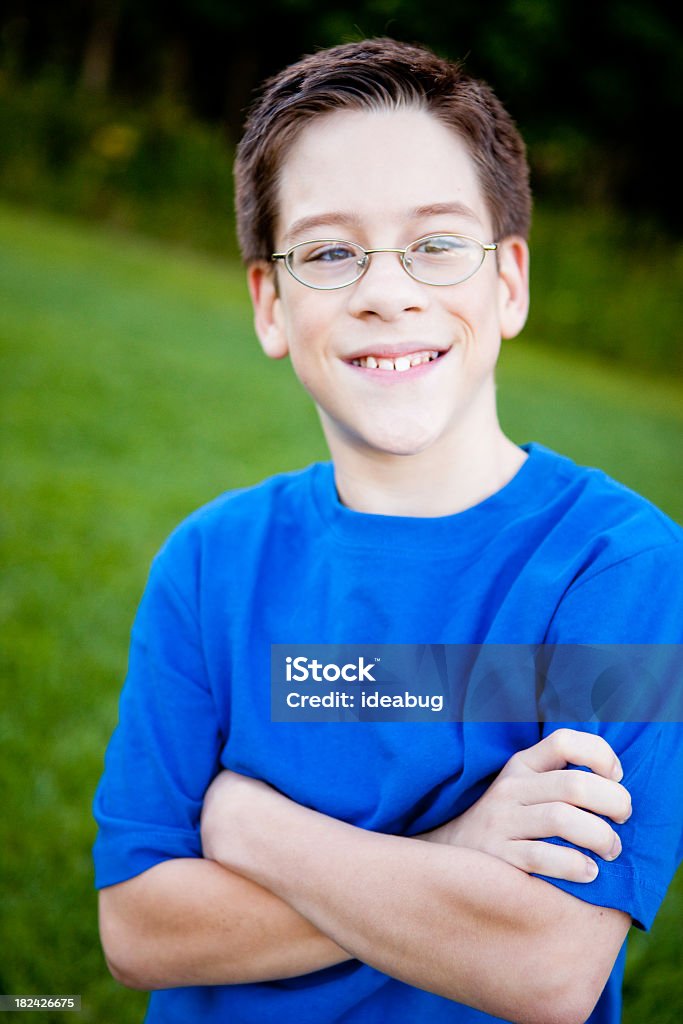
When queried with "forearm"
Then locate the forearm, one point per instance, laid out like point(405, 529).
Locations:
point(193, 922)
point(455, 922)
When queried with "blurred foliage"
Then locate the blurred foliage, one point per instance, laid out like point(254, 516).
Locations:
point(150, 168)
point(595, 86)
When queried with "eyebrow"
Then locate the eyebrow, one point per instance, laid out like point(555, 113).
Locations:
point(334, 217)
point(456, 209)
point(340, 218)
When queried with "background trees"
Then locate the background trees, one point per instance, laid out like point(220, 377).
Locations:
point(594, 86)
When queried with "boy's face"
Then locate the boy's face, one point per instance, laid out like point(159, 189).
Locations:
point(385, 179)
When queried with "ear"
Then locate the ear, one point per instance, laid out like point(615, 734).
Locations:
point(268, 319)
point(513, 277)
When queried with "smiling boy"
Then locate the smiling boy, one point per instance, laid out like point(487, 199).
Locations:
point(371, 404)
point(257, 871)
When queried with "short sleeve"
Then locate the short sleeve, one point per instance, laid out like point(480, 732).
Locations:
point(165, 749)
point(652, 839)
point(637, 601)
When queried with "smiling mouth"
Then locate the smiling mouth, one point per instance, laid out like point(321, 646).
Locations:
point(397, 364)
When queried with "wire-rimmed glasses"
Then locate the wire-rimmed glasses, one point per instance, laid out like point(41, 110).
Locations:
point(441, 259)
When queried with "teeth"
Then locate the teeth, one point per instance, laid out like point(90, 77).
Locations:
point(400, 364)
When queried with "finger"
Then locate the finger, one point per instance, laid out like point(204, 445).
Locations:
point(571, 746)
point(572, 824)
point(539, 858)
point(581, 789)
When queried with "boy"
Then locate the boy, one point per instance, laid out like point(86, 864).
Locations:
point(387, 871)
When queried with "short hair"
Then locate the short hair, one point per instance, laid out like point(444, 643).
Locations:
point(376, 74)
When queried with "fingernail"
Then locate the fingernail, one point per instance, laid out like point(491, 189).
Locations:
point(617, 772)
point(591, 870)
point(616, 848)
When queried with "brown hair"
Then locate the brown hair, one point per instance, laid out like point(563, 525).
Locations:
point(370, 75)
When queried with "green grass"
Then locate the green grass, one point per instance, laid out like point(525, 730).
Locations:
point(134, 390)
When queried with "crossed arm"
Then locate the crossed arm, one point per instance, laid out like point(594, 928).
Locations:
point(284, 890)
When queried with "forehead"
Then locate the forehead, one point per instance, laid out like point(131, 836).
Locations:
point(373, 172)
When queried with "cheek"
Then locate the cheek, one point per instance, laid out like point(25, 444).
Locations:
point(310, 322)
point(306, 346)
point(476, 327)
point(473, 317)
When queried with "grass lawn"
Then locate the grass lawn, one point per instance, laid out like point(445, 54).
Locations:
point(134, 391)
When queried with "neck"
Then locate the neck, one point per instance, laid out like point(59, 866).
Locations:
point(443, 480)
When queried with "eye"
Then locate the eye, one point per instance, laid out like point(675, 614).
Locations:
point(328, 252)
point(438, 245)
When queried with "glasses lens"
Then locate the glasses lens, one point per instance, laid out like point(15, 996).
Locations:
point(443, 259)
point(326, 263)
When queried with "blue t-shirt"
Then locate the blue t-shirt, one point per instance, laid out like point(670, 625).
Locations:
point(561, 554)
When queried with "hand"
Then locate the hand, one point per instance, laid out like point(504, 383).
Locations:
point(533, 798)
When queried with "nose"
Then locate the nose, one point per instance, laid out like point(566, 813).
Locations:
point(386, 290)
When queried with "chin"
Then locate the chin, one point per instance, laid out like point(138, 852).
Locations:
point(399, 442)
point(397, 435)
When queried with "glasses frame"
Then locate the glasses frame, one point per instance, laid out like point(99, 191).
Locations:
point(367, 253)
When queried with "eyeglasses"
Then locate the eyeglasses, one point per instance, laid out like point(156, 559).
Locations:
point(329, 263)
